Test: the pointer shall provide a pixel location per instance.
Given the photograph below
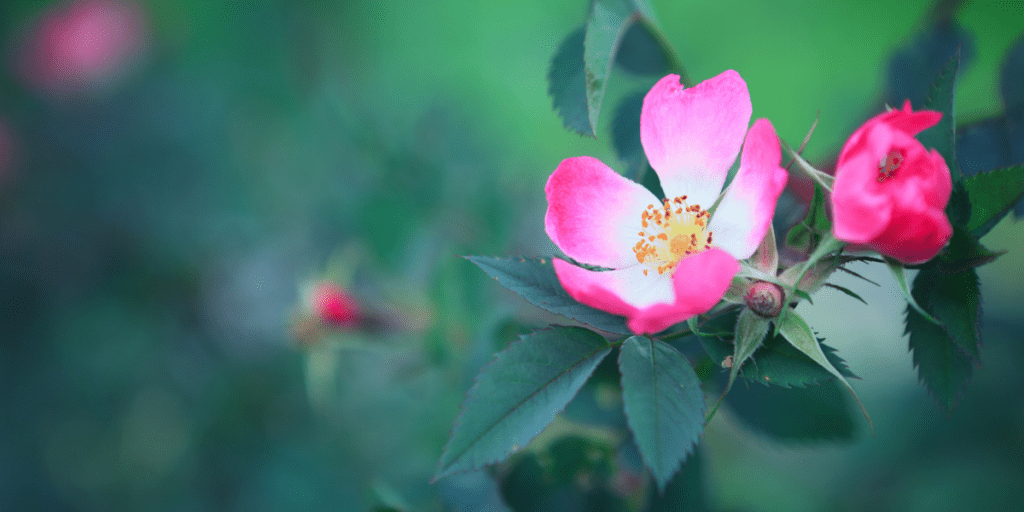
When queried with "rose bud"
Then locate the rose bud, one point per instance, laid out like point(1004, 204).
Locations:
point(890, 193)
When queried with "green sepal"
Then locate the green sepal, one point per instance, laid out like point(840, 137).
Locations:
point(901, 279)
point(776, 362)
point(796, 331)
point(750, 332)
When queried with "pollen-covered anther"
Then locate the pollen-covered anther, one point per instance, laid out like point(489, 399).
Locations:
point(671, 233)
point(889, 164)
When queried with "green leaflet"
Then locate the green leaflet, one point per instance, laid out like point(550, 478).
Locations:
point(617, 31)
point(518, 394)
point(567, 84)
point(664, 404)
point(534, 279)
point(992, 195)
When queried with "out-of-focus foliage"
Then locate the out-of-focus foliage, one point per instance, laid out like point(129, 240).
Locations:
point(159, 219)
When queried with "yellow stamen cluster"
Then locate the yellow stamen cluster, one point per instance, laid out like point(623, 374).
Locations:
point(671, 232)
point(887, 166)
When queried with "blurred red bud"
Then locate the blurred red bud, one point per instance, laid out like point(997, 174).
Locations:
point(82, 46)
point(333, 305)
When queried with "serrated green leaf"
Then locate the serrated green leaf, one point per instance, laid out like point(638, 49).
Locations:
point(942, 98)
point(567, 84)
point(535, 280)
point(609, 20)
point(750, 332)
point(814, 413)
point(626, 136)
point(798, 333)
point(518, 394)
point(964, 252)
point(992, 195)
point(941, 365)
point(664, 404)
point(778, 363)
point(807, 234)
point(901, 279)
point(955, 301)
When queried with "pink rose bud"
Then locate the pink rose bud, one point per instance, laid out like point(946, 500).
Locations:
point(333, 305)
point(765, 299)
point(890, 192)
point(82, 46)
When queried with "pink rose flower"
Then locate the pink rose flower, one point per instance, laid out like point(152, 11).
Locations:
point(334, 306)
point(890, 192)
point(670, 260)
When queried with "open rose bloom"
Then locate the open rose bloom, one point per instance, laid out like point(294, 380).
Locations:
point(670, 259)
point(890, 192)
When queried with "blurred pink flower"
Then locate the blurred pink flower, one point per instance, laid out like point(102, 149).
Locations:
point(82, 46)
point(890, 192)
point(333, 305)
point(670, 260)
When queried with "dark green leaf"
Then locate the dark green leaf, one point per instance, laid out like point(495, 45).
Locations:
point(534, 279)
point(992, 195)
point(641, 52)
point(814, 413)
point(608, 23)
point(941, 365)
point(518, 394)
point(955, 301)
point(807, 234)
point(626, 136)
point(664, 404)
point(779, 363)
point(686, 490)
point(1011, 83)
point(942, 98)
point(964, 252)
point(567, 84)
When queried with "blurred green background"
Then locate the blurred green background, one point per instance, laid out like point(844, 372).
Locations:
point(157, 231)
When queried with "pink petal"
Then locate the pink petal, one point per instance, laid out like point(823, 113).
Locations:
point(620, 292)
point(697, 284)
point(908, 121)
point(745, 213)
point(691, 136)
point(594, 213)
point(915, 237)
point(861, 207)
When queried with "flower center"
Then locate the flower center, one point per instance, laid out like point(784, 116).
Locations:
point(670, 233)
point(889, 164)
